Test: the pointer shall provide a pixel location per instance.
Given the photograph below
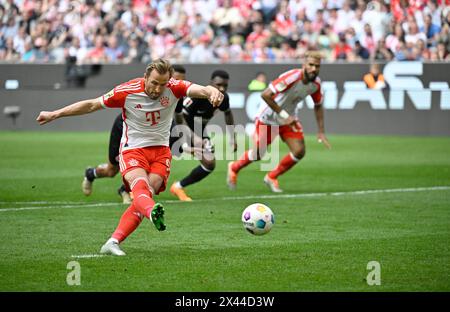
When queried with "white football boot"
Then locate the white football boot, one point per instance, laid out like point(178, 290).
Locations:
point(111, 247)
point(86, 187)
point(272, 184)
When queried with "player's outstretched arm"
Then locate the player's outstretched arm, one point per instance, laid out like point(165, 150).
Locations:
point(78, 108)
point(209, 92)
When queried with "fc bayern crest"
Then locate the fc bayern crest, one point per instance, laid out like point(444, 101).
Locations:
point(133, 162)
point(164, 100)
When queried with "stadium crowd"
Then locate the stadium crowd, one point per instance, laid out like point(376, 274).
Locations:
point(131, 31)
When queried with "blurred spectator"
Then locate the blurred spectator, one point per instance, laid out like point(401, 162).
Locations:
point(163, 42)
point(169, 15)
point(10, 29)
point(374, 78)
point(237, 30)
point(444, 36)
point(274, 38)
point(430, 30)
point(135, 51)
point(97, 54)
point(367, 39)
point(308, 35)
point(202, 51)
point(341, 49)
point(227, 17)
point(442, 51)
point(258, 32)
point(236, 52)
point(413, 34)
point(345, 16)
point(200, 27)
point(402, 53)
point(269, 9)
point(283, 22)
point(8, 53)
point(382, 53)
point(261, 52)
point(393, 40)
point(259, 83)
point(360, 51)
point(113, 51)
point(286, 52)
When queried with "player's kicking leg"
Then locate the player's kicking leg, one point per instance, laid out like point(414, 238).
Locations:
point(157, 216)
point(129, 221)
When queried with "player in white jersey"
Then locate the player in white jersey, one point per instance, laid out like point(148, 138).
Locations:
point(111, 168)
point(147, 105)
point(278, 117)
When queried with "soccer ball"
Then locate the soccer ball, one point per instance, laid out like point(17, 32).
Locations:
point(258, 219)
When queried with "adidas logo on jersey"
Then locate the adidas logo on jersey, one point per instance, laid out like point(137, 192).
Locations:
point(139, 106)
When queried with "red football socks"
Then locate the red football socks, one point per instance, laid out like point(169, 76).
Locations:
point(242, 162)
point(129, 221)
point(285, 164)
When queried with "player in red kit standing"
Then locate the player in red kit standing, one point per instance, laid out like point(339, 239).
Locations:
point(278, 117)
point(148, 106)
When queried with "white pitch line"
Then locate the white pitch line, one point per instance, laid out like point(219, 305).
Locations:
point(87, 256)
point(41, 203)
point(271, 196)
point(351, 193)
point(60, 207)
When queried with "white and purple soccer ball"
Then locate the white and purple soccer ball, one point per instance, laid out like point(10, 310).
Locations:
point(258, 219)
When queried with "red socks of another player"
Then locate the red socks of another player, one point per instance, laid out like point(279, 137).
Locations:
point(242, 162)
point(141, 207)
point(285, 164)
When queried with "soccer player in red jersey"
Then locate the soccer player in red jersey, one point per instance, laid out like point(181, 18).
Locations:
point(148, 106)
point(111, 168)
point(277, 116)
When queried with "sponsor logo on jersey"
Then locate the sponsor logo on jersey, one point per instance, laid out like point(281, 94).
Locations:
point(139, 106)
point(164, 101)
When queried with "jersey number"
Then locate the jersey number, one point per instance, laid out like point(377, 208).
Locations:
point(153, 117)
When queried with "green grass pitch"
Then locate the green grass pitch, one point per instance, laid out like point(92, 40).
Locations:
point(325, 233)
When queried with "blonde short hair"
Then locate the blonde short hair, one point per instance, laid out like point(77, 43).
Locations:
point(314, 54)
point(162, 66)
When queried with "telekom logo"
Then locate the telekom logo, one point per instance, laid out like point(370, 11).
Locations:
point(153, 117)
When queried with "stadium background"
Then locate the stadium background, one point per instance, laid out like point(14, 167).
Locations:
point(378, 198)
point(43, 87)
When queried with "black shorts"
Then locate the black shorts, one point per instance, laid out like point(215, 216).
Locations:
point(114, 140)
